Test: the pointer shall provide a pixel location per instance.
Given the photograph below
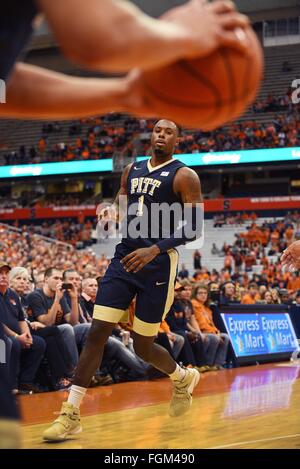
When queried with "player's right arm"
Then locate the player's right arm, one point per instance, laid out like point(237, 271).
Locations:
point(116, 210)
point(115, 35)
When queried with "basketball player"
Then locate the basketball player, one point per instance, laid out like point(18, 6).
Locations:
point(291, 256)
point(145, 267)
point(106, 35)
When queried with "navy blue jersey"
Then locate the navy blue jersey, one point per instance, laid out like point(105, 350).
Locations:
point(16, 18)
point(149, 195)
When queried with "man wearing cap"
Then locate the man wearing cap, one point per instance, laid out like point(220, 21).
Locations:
point(24, 352)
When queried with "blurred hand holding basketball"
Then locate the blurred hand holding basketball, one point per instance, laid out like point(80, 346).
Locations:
point(209, 25)
point(208, 91)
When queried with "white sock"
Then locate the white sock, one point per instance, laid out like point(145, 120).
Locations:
point(178, 374)
point(76, 395)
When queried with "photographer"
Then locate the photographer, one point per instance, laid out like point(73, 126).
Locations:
point(49, 307)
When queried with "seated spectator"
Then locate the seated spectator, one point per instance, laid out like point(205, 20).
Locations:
point(217, 345)
point(253, 296)
point(228, 294)
point(176, 341)
point(72, 277)
point(193, 352)
point(88, 294)
point(25, 352)
point(56, 351)
point(49, 306)
point(275, 296)
point(266, 298)
point(184, 273)
point(285, 297)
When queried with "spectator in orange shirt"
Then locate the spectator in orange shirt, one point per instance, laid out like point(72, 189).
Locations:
point(253, 295)
point(216, 351)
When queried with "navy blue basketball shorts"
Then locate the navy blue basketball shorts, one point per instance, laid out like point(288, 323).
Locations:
point(153, 287)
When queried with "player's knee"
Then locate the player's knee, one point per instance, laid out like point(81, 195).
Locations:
point(99, 330)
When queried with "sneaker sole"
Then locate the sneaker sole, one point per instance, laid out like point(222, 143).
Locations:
point(63, 436)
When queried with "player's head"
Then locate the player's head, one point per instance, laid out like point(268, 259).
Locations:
point(164, 138)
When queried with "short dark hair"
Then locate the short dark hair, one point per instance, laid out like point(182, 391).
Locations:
point(68, 271)
point(49, 272)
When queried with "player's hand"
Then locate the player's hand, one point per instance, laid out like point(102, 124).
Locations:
point(106, 212)
point(135, 100)
point(208, 26)
point(136, 260)
point(291, 256)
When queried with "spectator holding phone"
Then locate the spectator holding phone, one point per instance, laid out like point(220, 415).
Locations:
point(48, 306)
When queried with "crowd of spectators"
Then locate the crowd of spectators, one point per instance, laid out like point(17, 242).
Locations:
point(77, 232)
point(252, 263)
point(47, 323)
point(116, 133)
point(274, 103)
point(89, 139)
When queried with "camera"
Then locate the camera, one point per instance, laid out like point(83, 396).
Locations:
point(67, 286)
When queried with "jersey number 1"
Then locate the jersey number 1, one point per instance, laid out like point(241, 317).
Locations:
point(139, 212)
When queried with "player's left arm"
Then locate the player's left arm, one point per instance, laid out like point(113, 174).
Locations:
point(59, 96)
point(187, 186)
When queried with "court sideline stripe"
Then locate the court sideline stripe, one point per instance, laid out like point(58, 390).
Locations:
point(255, 441)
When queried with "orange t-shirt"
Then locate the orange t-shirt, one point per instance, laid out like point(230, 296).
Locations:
point(248, 300)
point(203, 316)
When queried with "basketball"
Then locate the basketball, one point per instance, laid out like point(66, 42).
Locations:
point(209, 91)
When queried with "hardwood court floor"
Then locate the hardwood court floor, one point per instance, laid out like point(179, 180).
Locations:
point(248, 407)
